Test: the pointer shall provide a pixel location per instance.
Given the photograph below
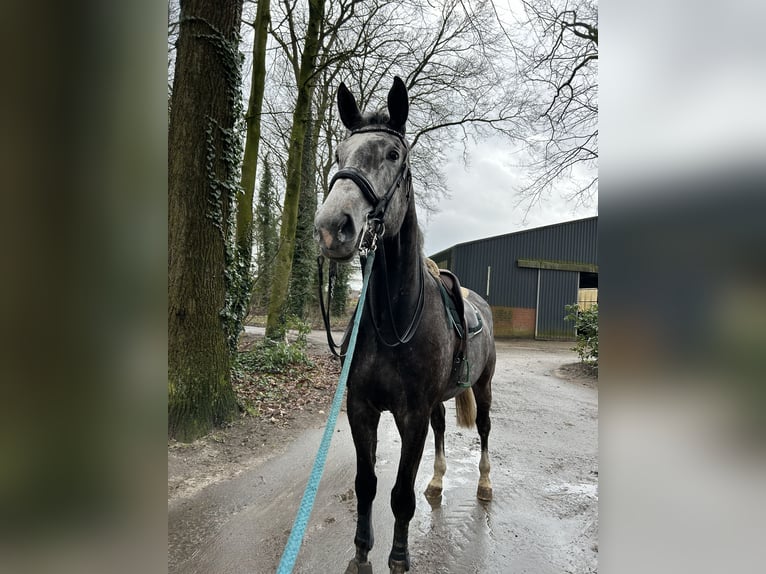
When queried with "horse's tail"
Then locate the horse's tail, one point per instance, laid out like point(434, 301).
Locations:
point(465, 408)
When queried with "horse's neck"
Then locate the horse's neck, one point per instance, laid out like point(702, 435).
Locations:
point(403, 265)
point(402, 252)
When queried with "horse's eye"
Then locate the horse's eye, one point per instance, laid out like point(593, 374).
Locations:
point(337, 159)
point(393, 155)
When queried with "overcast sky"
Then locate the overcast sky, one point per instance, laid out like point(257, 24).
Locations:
point(484, 201)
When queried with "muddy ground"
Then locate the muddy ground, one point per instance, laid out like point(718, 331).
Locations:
point(232, 496)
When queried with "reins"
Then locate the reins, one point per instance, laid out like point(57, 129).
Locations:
point(369, 244)
point(325, 311)
point(416, 316)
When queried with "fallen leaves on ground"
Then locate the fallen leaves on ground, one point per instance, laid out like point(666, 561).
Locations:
point(277, 397)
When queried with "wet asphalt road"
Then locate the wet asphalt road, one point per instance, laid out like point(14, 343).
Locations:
point(543, 518)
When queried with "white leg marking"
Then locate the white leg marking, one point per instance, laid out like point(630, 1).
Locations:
point(484, 491)
point(440, 467)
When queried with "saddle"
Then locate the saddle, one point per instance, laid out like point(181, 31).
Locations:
point(463, 315)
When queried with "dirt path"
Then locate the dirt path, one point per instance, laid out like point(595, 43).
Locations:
point(234, 514)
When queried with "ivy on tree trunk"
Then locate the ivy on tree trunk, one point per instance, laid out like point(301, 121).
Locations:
point(203, 159)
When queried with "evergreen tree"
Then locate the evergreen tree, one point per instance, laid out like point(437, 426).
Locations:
point(303, 275)
point(266, 239)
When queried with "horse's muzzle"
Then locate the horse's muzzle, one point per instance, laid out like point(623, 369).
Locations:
point(337, 235)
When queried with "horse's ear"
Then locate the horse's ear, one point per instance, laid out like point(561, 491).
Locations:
point(349, 111)
point(398, 105)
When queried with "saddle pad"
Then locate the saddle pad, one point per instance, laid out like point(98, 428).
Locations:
point(433, 268)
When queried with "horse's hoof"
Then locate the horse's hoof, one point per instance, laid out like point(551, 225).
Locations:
point(435, 502)
point(484, 493)
point(398, 566)
point(354, 567)
point(433, 491)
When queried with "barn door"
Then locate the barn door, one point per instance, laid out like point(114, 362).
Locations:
point(555, 290)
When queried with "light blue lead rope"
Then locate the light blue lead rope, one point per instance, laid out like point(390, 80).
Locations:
point(290, 553)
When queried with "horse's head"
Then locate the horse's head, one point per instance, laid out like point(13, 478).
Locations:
point(373, 175)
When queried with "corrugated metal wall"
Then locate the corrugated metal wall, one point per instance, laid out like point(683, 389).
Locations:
point(557, 289)
point(516, 287)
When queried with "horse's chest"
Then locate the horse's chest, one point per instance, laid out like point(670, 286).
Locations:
point(393, 375)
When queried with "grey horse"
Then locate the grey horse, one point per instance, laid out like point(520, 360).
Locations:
point(412, 353)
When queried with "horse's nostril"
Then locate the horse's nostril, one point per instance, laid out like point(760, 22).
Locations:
point(346, 229)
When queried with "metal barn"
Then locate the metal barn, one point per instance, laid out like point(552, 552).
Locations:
point(529, 276)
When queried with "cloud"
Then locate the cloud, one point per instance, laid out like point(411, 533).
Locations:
point(485, 202)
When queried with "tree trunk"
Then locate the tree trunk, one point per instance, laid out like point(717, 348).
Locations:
point(305, 253)
point(203, 154)
point(275, 321)
point(252, 141)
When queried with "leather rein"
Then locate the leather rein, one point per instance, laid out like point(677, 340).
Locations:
point(374, 229)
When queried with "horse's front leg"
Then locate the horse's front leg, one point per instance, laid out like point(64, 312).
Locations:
point(363, 420)
point(413, 430)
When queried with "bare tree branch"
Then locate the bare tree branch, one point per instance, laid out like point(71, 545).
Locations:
point(557, 49)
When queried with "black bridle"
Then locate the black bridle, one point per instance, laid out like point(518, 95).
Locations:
point(379, 203)
point(375, 229)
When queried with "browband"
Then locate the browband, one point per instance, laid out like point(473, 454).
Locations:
point(383, 129)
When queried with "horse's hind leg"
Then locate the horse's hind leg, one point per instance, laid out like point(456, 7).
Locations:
point(413, 429)
point(482, 391)
point(434, 489)
point(364, 429)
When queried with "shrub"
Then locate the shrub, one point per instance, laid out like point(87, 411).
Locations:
point(586, 326)
point(274, 357)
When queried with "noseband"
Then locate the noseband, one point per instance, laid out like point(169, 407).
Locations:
point(379, 204)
